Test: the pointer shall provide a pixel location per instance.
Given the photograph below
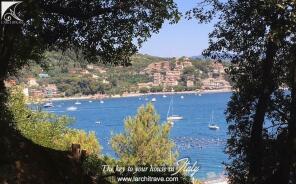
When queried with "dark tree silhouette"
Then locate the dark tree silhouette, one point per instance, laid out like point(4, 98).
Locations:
point(256, 36)
point(103, 30)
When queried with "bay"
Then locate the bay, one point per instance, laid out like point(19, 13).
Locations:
point(193, 138)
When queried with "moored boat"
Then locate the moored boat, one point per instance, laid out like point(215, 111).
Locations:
point(48, 105)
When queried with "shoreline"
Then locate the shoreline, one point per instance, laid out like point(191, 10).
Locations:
point(93, 97)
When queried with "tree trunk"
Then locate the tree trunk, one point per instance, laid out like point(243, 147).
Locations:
point(255, 146)
point(291, 146)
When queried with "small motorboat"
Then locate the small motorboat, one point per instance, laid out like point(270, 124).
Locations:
point(72, 108)
point(164, 96)
point(174, 117)
point(90, 101)
point(153, 100)
point(77, 103)
point(182, 97)
point(48, 105)
point(101, 101)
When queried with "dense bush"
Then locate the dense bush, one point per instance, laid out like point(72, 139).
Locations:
point(46, 129)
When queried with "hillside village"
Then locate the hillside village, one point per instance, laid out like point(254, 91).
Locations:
point(147, 74)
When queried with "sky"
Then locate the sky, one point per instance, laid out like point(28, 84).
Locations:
point(186, 38)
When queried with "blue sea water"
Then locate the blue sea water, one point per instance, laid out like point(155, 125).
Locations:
point(192, 136)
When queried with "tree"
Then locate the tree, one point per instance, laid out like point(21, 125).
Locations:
point(255, 33)
point(143, 90)
point(145, 140)
point(106, 31)
point(103, 30)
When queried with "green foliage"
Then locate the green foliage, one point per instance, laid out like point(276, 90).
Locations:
point(47, 129)
point(88, 141)
point(261, 116)
point(143, 90)
point(154, 89)
point(144, 140)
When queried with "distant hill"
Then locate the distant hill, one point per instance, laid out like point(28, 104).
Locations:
point(67, 74)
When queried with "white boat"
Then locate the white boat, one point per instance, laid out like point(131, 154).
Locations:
point(72, 108)
point(101, 101)
point(48, 105)
point(212, 125)
point(90, 101)
point(182, 97)
point(98, 122)
point(153, 100)
point(164, 96)
point(172, 117)
point(199, 94)
point(77, 103)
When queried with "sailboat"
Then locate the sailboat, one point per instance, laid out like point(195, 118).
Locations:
point(212, 125)
point(173, 116)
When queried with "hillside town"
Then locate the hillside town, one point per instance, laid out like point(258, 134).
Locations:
point(164, 75)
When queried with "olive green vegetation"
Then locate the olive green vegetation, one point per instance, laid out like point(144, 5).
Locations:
point(145, 140)
point(46, 129)
point(116, 80)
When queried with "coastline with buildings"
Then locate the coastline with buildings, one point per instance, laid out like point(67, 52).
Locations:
point(158, 76)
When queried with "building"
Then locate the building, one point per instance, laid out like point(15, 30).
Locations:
point(50, 90)
point(179, 66)
point(36, 93)
point(157, 79)
point(32, 82)
point(165, 65)
point(172, 77)
point(43, 75)
point(158, 67)
point(186, 63)
point(189, 83)
point(214, 83)
point(9, 83)
point(218, 70)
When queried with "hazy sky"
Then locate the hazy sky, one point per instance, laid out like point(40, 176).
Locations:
point(187, 38)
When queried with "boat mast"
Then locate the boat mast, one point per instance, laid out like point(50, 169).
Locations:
point(169, 108)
